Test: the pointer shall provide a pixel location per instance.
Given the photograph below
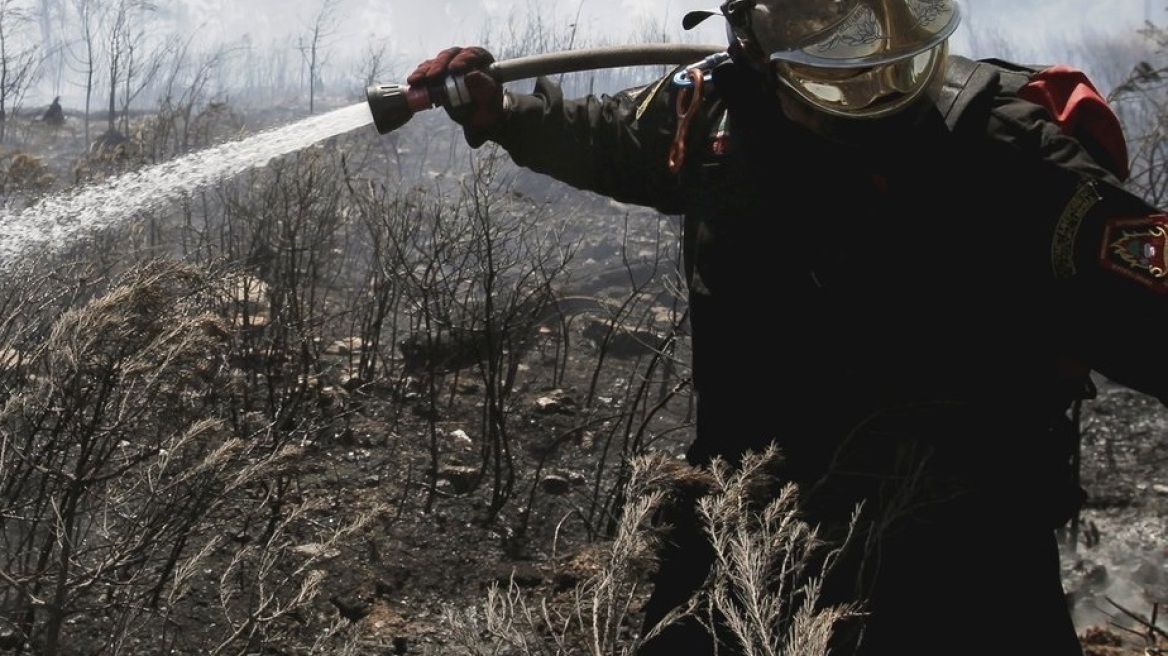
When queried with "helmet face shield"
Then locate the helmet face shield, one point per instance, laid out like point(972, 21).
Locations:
point(869, 92)
point(847, 33)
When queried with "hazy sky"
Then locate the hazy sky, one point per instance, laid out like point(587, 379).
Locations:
point(417, 27)
point(408, 31)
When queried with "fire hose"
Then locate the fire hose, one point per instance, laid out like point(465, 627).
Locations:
point(395, 104)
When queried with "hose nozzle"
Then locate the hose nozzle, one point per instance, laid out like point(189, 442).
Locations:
point(393, 105)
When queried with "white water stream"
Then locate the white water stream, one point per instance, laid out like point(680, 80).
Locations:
point(61, 220)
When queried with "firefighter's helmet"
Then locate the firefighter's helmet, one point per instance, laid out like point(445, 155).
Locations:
point(849, 58)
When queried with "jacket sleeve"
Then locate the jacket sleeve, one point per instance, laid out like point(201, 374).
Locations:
point(1104, 247)
point(616, 146)
point(1115, 261)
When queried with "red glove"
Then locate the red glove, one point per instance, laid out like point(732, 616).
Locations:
point(481, 109)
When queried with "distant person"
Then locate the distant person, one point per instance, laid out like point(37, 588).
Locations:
point(902, 266)
point(54, 115)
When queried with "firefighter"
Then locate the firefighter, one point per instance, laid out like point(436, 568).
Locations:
point(942, 250)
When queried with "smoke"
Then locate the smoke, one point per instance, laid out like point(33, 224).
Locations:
point(273, 33)
point(1124, 572)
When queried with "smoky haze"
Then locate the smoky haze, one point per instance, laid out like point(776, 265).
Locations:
point(262, 51)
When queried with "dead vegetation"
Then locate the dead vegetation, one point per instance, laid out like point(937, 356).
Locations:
point(207, 415)
point(364, 400)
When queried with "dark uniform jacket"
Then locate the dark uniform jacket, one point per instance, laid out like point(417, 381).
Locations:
point(908, 313)
point(943, 277)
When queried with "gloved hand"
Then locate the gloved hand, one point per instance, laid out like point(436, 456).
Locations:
point(482, 108)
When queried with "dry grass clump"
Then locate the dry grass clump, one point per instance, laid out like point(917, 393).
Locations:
point(121, 478)
point(762, 590)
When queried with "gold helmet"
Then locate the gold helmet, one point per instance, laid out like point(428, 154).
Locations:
point(848, 58)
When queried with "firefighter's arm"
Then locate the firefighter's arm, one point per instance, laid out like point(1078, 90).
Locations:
point(1100, 247)
point(617, 146)
point(1108, 249)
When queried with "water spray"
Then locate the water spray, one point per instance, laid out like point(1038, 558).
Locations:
point(60, 220)
point(395, 104)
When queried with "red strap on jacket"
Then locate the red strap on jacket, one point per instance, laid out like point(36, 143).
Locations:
point(1083, 113)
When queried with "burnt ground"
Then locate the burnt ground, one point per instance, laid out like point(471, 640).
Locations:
point(1119, 565)
point(1115, 556)
point(398, 578)
point(441, 545)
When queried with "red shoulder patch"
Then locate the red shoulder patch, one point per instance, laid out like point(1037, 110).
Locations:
point(1137, 248)
point(1082, 112)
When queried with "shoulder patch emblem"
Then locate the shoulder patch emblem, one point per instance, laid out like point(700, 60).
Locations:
point(1062, 248)
point(1137, 248)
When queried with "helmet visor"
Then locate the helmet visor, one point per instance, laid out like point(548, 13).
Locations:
point(868, 92)
point(851, 33)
